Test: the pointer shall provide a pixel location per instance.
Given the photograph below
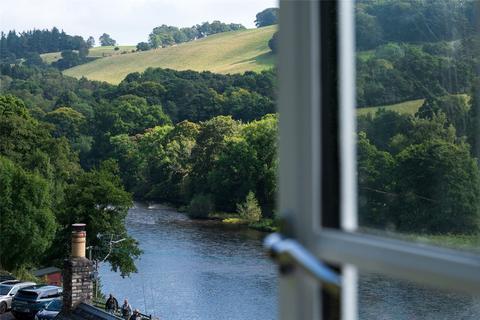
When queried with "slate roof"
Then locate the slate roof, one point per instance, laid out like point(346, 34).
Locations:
point(46, 271)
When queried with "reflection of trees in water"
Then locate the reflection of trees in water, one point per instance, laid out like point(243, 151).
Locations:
point(381, 297)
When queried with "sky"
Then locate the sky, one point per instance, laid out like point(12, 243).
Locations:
point(127, 21)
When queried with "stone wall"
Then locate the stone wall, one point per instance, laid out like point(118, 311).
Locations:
point(77, 282)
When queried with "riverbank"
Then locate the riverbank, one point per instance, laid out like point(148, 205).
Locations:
point(227, 218)
point(263, 225)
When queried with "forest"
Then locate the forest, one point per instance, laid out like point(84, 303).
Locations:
point(81, 150)
point(89, 148)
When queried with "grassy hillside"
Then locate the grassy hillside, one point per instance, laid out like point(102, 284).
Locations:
point(229, 52)
point(50, 57)
point(97, 52)
point(409, 107)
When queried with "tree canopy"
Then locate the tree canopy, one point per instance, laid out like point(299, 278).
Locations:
point(106, 40)
point(164, 35)
point(266, 17)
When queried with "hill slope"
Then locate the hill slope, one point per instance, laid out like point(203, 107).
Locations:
point(97, 52)
point(229, 52)
point(407, 107)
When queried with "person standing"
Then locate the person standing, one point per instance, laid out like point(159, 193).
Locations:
point(111, 305)
point(126, 310)
point(136, 315)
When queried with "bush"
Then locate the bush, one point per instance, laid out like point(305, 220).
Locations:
point(200, 206)
point(143, 46)
point(250, 210)
point(116, 48)
point(24, 274)
point(273, 43)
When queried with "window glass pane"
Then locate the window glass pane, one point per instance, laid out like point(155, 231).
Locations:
point(382, 297)
point(418, 115)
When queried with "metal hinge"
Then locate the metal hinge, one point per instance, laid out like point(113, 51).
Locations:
point(289, 253)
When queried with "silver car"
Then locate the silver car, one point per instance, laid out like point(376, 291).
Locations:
point(7, 290)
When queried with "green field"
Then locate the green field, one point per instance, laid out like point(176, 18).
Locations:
point(408, 107)
point(470, 242)
point(97, 52)
point(50, 57)
point(100, 52)
point(229, 52)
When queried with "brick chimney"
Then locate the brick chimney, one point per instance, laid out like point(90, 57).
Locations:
point(77, 272)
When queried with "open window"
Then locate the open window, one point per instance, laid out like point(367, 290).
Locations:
point(411, 248)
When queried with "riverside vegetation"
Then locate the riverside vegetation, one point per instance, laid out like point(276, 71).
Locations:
point(80, 150)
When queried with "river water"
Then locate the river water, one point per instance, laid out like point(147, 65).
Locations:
point(203, 270)
point(195, 269)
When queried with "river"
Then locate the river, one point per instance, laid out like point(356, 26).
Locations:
point(195, 269)
point(204, 270)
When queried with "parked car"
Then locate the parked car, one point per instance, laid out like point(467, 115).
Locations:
point(5, 276)
point(8, 289)
point(50, 311)
point(28, 301)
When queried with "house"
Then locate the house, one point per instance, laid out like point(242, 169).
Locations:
point(50, 275)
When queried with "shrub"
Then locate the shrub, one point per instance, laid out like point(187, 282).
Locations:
point(200, 206)
point(250, 210)
point(116, 48)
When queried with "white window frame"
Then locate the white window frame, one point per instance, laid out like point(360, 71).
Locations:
point(300, 184)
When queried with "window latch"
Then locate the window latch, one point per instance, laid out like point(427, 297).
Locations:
point(289, 253)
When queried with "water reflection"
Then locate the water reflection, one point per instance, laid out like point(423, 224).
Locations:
point(385, 298)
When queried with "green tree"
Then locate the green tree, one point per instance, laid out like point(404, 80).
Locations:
point(201, 206)
point(33, 59)
point(375, 168)
point(438, 188)
point(143, 46)
point(106, 40)
point(98, 199)
point(233, 174)
point(368, 32)
point(273, 43)
point(91, 42)
point(245, 105)
point(455, 107)
point(261, 136)
point(68, 122)
point(169, 171)
point(210, 143)
point(266, 17)
point(473, 131)
point(131, 162)
point(250, 210)
point(27, 225)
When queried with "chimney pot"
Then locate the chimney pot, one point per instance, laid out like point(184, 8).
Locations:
point(79, 236)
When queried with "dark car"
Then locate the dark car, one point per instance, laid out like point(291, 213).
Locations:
point(8, 289)
point(27, 302)
point(50, 311)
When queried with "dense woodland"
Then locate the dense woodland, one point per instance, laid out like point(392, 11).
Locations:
point(413, 49)
point(81, 150)
point(161, 135)
point(15, 45)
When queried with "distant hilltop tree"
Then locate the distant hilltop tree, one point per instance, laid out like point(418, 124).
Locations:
point(143, 46)
point(106, 40)
point(164, 35)
point(267, 17)
point(90, 42)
